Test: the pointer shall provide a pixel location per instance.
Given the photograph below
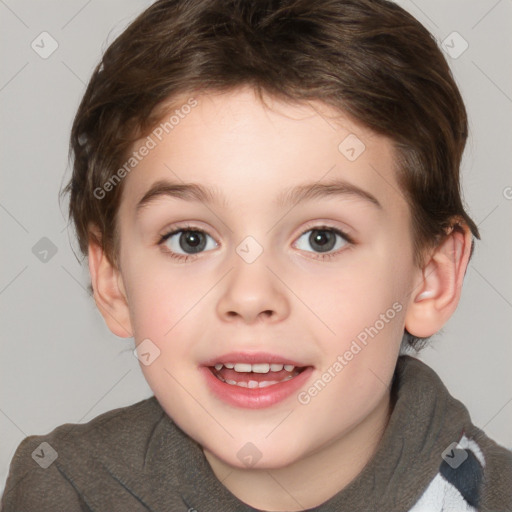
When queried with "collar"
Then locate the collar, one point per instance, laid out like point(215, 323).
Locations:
point(164, 469)
point(424, 421)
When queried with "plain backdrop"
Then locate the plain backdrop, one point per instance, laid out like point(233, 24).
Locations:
point(59, 362)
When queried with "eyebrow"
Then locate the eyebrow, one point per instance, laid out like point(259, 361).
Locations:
point(291, 196)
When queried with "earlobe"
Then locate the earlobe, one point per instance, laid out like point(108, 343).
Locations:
point(437, 295)
point(109, 293)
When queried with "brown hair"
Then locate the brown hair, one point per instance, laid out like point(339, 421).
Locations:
point(367, 58)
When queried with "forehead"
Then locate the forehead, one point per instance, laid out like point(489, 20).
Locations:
point(231, 145)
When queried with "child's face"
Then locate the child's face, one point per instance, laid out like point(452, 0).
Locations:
point(229, 301)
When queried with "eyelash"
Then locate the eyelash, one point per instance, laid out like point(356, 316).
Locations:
point(319, 256)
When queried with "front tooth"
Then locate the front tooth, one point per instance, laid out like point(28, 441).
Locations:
point(229, 365)
point(252, 384)
point(266, 383)
point(218, 366)
point(289, 367)
point(276, 367)
point(243, 367)
point(261, 368)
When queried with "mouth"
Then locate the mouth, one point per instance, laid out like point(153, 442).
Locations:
point(258, 375)
point(254, 380)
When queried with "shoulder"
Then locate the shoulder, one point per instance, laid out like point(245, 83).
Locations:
point(473, 476)
point(496, 463)
point(122, 430)
point(470, 469)
point(51, 461)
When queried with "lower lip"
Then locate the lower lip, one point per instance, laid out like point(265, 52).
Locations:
point(255, 398)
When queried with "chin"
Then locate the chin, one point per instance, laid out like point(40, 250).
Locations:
point(250, 456)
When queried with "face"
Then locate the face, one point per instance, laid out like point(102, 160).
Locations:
point(272, 303)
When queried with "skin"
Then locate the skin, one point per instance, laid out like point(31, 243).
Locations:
point(288, 301)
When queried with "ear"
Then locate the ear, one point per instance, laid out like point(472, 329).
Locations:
point(437, 295)
point(109, 292)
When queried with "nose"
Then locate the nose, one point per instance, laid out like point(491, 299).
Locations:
point(252, 293)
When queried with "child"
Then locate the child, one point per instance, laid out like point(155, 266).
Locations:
point(309, 153)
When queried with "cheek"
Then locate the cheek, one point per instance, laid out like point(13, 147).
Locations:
point(161, 297)
point(354, 296)
point(165, 308)
point(151, 309)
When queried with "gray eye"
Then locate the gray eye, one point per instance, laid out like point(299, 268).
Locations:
point(322, 240)
point(189, 241)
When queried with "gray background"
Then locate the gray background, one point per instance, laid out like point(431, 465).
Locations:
point(60, 363)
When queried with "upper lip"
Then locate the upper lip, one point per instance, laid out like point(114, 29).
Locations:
point(252, 358)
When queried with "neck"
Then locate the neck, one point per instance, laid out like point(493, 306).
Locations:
point(313, 479)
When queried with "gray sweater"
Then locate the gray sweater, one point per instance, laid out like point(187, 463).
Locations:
point(431, 458)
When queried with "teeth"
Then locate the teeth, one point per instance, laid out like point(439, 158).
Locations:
point(256, 368)
point(243, 367)
point(261, 368)
point(252, 384)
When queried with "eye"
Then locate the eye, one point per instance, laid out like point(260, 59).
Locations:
point(184, 242)
point(323, 239)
